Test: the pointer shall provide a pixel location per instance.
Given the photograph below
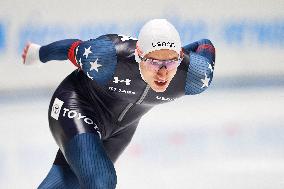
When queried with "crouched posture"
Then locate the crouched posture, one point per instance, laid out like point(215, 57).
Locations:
point(95, 110)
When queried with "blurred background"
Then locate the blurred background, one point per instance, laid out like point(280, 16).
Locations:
point(229, 137)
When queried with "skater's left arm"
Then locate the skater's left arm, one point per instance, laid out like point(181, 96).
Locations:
point(201, 66)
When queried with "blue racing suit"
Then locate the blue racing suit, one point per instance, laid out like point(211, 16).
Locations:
point(106, 95)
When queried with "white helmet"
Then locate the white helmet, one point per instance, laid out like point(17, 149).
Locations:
point(157, 34)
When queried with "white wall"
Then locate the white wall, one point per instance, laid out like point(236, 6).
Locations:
point(248, 35)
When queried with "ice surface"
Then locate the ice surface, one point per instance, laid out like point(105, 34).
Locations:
point(222, 139)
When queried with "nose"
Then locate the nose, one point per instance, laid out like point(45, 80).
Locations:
point(162, 72)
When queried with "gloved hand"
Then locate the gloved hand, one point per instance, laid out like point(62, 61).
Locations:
point(30, 54)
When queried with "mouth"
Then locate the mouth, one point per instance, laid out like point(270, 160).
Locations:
point(161, 83)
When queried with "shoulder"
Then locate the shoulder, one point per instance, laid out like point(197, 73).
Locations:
point(201, 66)
point(205, 45)
point(97, 58)
point(199, 74)
point(124, 45)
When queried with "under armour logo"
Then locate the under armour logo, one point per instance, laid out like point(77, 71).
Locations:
point(116, 80)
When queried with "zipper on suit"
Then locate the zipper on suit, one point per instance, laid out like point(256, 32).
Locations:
point(139, 101)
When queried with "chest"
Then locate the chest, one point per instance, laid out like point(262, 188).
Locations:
point(127, 85)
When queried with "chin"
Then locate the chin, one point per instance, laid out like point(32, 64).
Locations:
point(159, 89)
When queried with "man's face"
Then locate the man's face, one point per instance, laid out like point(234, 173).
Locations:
point(159, 80)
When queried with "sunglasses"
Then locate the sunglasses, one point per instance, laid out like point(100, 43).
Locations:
point(156, 65)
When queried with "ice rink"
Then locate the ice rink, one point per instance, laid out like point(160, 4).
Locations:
point(221, 139)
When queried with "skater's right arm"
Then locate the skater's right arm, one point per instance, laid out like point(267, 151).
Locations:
point(34, 54)
point(97, 58)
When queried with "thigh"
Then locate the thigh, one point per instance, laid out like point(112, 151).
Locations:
point(116, 144)
point(113, 146)
point(88, 161)
point(69, 115)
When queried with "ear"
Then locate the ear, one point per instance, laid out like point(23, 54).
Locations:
point(137, 58)
point(181, 54)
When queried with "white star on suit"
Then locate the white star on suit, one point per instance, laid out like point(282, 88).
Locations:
point(205, 81)
point(87, 52)
point(95, 65)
